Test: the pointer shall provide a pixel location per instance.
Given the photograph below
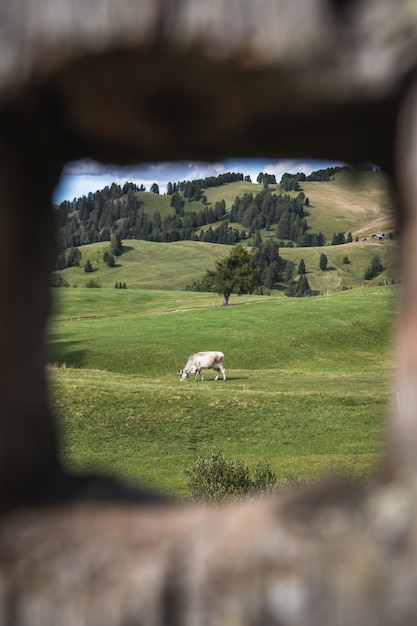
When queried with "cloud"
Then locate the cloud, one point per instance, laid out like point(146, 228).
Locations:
point(82, 177)
point(293, 166)
point(85, 167)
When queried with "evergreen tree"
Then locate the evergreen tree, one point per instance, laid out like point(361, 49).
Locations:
point(271, 275)
point(105, 234)
point(302, 268)
point(257, 239)
point(73, 258)
point(374, 269)
point(338, 238)
point(116, 247)
point(289, 271)
point(323, 262)
point(303, 288)
point(154, 188)
point(88, 267)
point(299, 289)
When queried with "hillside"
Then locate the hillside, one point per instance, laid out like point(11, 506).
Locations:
point(147, 265)
point(173, 266)
point(358, 204)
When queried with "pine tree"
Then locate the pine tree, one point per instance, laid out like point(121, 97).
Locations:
point(257, 239)
point(289, 271)
point(323, 262)
point(116, 247)
point(302, 267)
point(374, 269)
point(303, 288)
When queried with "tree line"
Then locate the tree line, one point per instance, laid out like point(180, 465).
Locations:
point(193, 189)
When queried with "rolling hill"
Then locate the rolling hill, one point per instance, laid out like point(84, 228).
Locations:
point(359, 204)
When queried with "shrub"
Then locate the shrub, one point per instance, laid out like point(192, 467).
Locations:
point(217, 478)
point(93, 283)
point(57, 280)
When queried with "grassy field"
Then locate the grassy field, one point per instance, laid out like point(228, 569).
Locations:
point(173, 266)
point(308, 383)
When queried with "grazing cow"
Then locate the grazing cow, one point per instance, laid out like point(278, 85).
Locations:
point(204, 360)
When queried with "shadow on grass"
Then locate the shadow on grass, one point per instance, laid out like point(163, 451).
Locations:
point(65, 354)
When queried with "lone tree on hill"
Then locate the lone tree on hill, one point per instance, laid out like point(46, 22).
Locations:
point(234, 274)
point(302, 267)
point(323, 262)
point(116, 246)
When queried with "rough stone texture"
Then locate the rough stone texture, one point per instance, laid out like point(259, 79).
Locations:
point(131, 80)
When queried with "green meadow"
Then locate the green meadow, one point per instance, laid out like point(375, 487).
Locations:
point(308, 390)
point(173, 266)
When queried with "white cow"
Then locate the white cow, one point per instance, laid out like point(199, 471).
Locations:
point(204, 360)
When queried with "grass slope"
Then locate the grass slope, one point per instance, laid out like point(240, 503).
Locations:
point(173, 266)
point(338, 274)
point(307, 389)
point(359, 203)
point(147, 265)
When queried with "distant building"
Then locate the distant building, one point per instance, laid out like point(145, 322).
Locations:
point(378, 237)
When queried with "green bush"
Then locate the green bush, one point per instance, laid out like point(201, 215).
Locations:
point(217, 478)
point(57, 280)
point(93, 283)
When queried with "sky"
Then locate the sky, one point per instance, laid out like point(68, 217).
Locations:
point(79, 178)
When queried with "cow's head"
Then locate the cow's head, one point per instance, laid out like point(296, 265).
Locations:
point(184, 374)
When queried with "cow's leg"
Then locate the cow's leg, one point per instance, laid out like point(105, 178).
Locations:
point(217, 370)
